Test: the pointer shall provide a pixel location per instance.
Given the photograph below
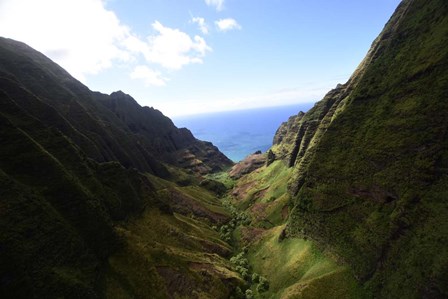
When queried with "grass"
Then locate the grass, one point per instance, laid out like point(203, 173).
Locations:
point(368, 189)
point(172, 254)
point(222, 177)
point(295, 268)
point(182, 245)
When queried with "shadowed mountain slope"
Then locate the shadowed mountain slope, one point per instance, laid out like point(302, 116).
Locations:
point(106, 128)
point(85, 207)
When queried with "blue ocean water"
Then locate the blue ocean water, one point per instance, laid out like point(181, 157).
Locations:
point(239, 133)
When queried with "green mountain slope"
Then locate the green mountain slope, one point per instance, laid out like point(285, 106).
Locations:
point(370, 160)
point(106, 128)
point(102, 198)
point(86, 210)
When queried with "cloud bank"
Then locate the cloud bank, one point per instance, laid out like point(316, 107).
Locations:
point(81, 35)
point(172, 48)
point(85, 38)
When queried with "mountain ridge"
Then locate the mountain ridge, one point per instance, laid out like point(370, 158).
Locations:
point(102, 198)
point(104, 136)
point(368, 159)
point(75, 178)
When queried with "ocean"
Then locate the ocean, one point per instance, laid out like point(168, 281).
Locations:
point(239, 133)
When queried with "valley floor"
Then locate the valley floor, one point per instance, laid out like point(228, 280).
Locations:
point(272, 264)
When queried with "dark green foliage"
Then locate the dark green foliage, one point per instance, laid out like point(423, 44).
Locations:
point(69, 183)
point(249, 294)
point(255, 278)
point(57, 210)
point(105, 128)
point(238, 293)
point(270, 158)
point(214, 186)
point(370, 184)
point(373, 186)
point(263, 285)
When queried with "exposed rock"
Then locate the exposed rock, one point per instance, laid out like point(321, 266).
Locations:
point(166, 142)
point(249, 164)
point(270, 157)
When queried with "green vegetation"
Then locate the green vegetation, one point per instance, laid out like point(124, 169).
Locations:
point(273, 264)
point(102, 198)
point(78, 220)
point(369, 187)
point(222, 177)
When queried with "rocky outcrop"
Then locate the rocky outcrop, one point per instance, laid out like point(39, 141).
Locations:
point(162, 138)
point(295, 139)
point(247, 165)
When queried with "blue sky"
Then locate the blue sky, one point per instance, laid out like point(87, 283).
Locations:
point(195, 56)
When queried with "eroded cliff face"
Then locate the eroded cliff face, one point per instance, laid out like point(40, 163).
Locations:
point(106, 127)
point(99, 197)
point(370, 160)
point(158, 134)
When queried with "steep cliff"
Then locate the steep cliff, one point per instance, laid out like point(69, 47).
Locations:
point(370, 162)
point(97, 194)
point(106, 128)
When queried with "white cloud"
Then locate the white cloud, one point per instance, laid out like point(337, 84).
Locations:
point(201, 23)
point(172, 48)
point(85, 38)
point(218, 4)
point(227, 24)
point(81, 35)
point(149, 76)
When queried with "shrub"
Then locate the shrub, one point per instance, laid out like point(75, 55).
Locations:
point(238, 293)
point(255, 278)
point(263, 285)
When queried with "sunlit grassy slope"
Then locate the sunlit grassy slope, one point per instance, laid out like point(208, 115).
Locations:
point(374, 185)
point(294, 267)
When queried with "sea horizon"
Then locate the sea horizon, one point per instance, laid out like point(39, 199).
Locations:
point(241, 132)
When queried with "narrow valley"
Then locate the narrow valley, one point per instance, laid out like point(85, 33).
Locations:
point(103, 198)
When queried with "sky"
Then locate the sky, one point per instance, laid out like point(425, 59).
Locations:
point(196, 56)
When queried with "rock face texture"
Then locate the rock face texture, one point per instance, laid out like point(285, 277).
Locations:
point(247, 165)
point(106, 128)
point(370, 160)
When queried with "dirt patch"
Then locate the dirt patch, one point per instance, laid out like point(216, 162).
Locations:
point(176, 282)
point(209, 272)
point(251, 234)
point(258, 210)
point(249, 164)
point(285, 212)
point(261, 193)
point(212, 247)
point(240, 192)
